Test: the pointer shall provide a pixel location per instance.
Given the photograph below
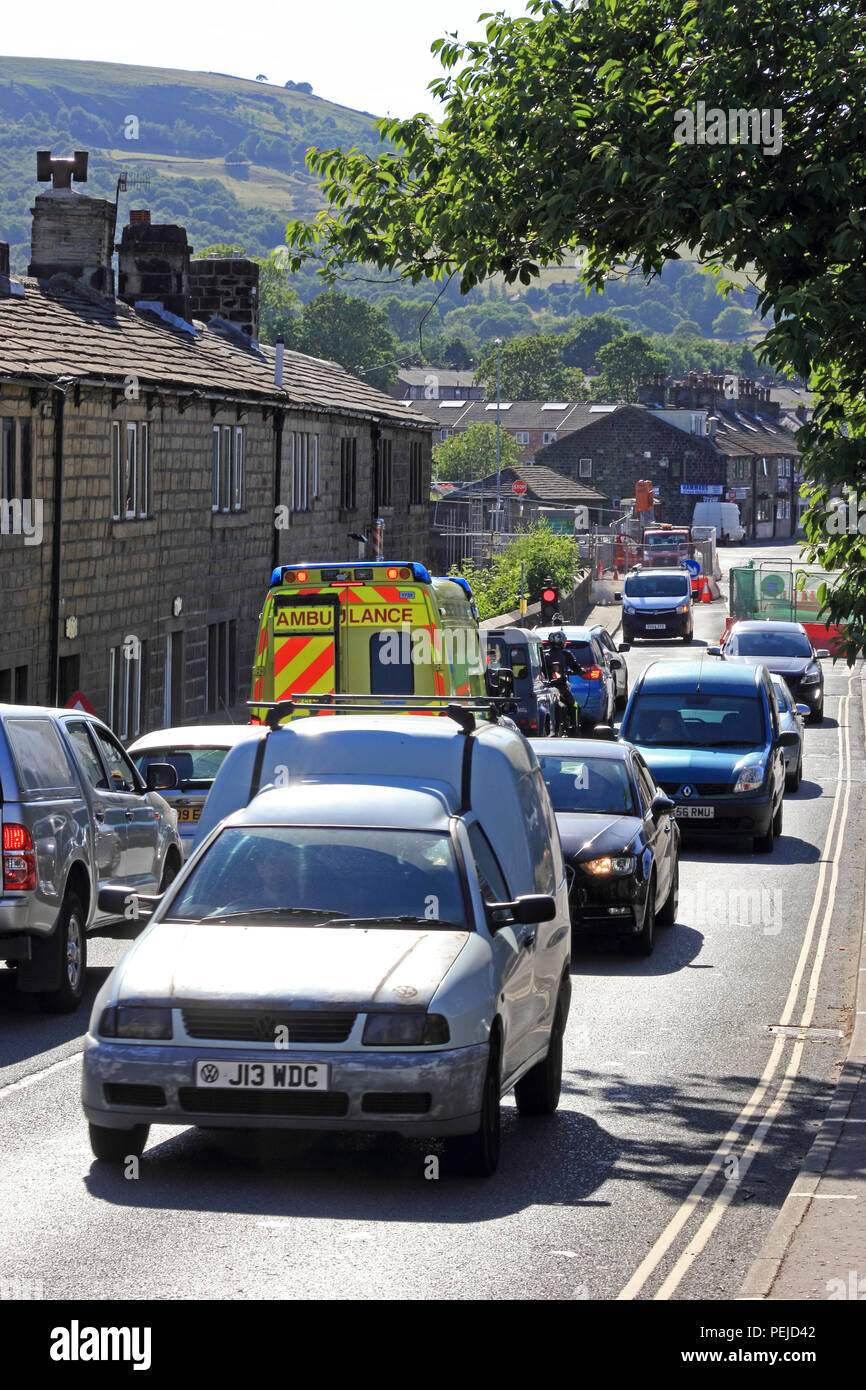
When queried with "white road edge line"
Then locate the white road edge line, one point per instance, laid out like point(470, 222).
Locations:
point(32, 1077)
point(664, 1242)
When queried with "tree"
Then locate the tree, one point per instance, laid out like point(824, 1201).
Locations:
point(450, 352)
point(623, 364)
point(347, 330)
point(586, 337)
point(585, 104)
point(279, 305)
point(544, 553)
point(732, 323)
point(532, 370)
point(472, 454)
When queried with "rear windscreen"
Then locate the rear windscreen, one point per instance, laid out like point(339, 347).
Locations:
point(40, 757)
point(195, 767)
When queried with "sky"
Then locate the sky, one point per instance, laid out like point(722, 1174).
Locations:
point(373, 55)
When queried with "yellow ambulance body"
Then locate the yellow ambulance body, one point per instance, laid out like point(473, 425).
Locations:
point(374, 628)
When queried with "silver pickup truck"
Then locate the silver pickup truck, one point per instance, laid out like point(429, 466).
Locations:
point(76, 817)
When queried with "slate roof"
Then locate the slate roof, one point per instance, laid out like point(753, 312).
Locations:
point(57, 328)
point(446, 376)
point(543, 485)
point(752, 434)
point(520, 415)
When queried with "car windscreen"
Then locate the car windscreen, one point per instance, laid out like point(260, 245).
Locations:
point(697, 721)
point(769, 644)
point(589, 785)
point(667, 540)
point(195, 767)
point(657, 586)
point(310, 875)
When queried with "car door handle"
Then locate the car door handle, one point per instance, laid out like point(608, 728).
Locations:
point(99, 817)
point(528, 943)
point(128, 814)
point(668, 828)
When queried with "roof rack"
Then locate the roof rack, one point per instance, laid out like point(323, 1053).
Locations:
point(461, 709)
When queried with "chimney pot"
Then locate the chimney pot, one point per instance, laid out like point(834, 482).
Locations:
point(72, 233)
point(139, 216)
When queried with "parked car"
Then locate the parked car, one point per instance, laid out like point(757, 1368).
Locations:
point(593, 687)
point(518, 650)
point(619, 839)
point(791, 716)
point(657, 603)
point(617, 668)
point(711, 736)
point(378, 939)
point(196, 754)
point(76, 817)
point(786, 650)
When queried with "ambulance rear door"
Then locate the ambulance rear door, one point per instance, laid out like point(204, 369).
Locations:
point(305, 642)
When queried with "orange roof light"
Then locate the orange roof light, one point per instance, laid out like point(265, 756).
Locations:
point(301, 576)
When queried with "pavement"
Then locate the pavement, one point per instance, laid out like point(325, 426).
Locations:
point(816, 1250)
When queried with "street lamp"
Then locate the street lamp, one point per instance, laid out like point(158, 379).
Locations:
point(498, 342)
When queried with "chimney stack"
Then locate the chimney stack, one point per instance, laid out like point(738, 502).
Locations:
point(226, 287)
point(153, 264)
point(72, 234)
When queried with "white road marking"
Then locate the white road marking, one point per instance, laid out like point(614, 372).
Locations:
point(725, 1150)
point(34, 1076)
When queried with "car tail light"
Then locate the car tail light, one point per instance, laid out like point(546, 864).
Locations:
point(19, 860)
point(591, 673)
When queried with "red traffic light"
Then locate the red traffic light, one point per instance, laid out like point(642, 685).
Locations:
point(548, 595)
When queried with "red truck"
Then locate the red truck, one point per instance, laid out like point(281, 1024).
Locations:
point(666, 545)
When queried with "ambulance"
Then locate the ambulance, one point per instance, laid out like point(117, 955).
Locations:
point(376, 629)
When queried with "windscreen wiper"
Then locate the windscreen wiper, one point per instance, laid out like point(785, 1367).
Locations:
point(393, 922)
point(220, 916)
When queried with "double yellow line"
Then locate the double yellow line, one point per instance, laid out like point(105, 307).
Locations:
point(755, 1105)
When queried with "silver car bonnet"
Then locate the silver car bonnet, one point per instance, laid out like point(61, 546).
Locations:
point(307, 967)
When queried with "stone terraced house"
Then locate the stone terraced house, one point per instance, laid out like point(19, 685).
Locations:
point(158, 462)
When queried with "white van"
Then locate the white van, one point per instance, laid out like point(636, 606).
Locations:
point(725, 516)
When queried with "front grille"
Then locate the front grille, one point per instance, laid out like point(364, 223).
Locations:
point(200, 1101)
point(121, 1093)
point(396, 1102)
point(698, 789)
point(260, 1025)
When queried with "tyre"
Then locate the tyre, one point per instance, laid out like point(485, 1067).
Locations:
point(170, 872)
point(643, 943)
point(817, 716)
point(117, 1145)
point(69, 945)
point(622, 700)
point(667, 915)
point(538, 1092)
point(764, 843)
point(627, 634)
point(778, 817)
point(687, 637)
point(793, 780)
point(477, 1155)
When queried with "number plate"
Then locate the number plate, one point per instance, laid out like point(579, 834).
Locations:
point(188, 813)
point(694, 812)
point(656, 627)
point(262, 1076)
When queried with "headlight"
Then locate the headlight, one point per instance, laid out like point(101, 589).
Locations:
point(135, 1021)
point(627, 608)
point(749, 779)
point(811, 675)
point(405, 1030)
point(683, 608)
point(610, 864)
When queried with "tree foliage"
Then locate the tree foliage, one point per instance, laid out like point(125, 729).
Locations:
point(472, 453)
point(532, 369)
point(347, 330)
point(558, 134)
point(621, 366)
point(545, 555)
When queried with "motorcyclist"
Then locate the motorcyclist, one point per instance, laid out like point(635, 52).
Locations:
point(567, 663)
point(560, 683)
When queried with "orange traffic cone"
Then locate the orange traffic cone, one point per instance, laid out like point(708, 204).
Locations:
point(706, 596)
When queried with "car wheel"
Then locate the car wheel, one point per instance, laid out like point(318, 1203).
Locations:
point(169, 873)
point(817, 715)
point(477, 1155)
point(793, 780)
point(777, 819)
point(117, 1145)
point(643, 943)
point(627, 635)
point(764, 843)
point(69, 943)
point(667, 915)
point(538, 1092)
point(687, 638)
point(622, 700)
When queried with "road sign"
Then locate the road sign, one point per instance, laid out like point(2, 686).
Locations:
point(519, 487)
point(693, 566)
point(79, 701)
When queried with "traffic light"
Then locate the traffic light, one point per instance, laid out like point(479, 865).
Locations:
point(549, 602)
point(643, 496)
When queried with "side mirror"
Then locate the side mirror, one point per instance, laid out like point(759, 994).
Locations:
point(161, 777)
point(804, 710)
point(714, 651)
point(506, 681)
point(529, 907)
point(126, 902)
point(615, 663)
point(661, 805)
point(617, 598)
point(787, 739)
point(624, 647)
point(821, 653)
point(604, 731)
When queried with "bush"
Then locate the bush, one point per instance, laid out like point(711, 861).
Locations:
point(546, 555)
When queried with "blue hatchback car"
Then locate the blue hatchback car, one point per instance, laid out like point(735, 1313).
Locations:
point(711, 735)
point(594, 686)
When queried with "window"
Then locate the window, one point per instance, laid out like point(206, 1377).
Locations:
point(130, 470)
point(80, 737)
point(305, 471)
point(784, 468)
point(445, 435)
point(221, 665)
point(522, 437)
point(386, 473)
point(13, 685)
point(173, 703)
point(348, 475)
point(550, 437)
point(491, 881)
point(765, 509)
point(585, 468)
point(124, 688)
point(416, 473)
point(16, 480)
point(228, 468)
point(387, 675)
point(783, 509)
point(120, 769)
point(42, 761)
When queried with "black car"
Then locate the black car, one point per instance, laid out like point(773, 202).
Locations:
point(517, 651)
point(619, 839)
point(786, 650)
